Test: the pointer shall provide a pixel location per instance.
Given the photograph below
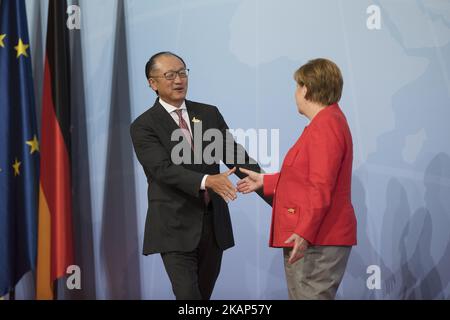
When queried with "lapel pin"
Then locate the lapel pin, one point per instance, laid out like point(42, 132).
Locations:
point(195, 120)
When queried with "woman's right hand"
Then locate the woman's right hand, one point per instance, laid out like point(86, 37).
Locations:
point(252, 182)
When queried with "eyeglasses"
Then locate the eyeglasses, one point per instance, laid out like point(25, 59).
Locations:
point(171, 75)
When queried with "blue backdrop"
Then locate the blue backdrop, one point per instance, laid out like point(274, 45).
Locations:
point(242, 55)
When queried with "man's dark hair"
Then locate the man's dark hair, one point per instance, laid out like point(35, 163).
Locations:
point(150, 65)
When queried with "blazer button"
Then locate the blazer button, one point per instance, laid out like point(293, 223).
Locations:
point(291, 210)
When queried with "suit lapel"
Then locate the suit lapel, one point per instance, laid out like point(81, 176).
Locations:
point(196, 123)
point(166, 122)
point(165, 119)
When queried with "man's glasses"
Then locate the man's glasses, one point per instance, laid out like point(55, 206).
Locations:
point(171, 75)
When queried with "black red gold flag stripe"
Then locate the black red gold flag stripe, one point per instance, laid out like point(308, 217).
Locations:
point(55, 242)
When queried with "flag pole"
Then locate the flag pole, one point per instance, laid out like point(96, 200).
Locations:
point(12, 294)
point(55, 289)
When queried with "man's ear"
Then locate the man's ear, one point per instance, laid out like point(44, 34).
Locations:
point(152, 84)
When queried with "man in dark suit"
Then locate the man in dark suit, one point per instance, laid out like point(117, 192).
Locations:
point(188, 220)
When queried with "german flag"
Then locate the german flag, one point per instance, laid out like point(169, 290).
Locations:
point(55, 246)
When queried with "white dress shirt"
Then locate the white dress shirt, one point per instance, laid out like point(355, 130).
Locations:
point(171, 110)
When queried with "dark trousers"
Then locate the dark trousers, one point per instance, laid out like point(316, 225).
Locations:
point(193, 274)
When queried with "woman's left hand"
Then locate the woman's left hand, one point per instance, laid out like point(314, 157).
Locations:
point(300, 246)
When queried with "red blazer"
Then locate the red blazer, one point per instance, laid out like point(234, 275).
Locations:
point(312, 192)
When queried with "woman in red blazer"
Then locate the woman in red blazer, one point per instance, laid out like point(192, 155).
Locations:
point(312, 210)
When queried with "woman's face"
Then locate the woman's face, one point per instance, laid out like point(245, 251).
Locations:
point(300, 93)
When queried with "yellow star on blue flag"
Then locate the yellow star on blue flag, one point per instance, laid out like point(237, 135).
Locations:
point(34, 144)
point(21, 49)
point(2, 37)
point(16, 167)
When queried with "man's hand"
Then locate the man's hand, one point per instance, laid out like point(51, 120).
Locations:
point(221, 185)
point(252, 182)
point(300, 246)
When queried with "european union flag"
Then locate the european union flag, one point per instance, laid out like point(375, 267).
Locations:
point(19, 148)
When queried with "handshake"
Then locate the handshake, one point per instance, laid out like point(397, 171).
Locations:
point(221, 184)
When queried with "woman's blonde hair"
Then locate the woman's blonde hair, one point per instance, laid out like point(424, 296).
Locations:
point(323, 81)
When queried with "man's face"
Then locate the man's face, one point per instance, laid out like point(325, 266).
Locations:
point(171, 91)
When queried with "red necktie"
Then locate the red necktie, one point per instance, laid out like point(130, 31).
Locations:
point(184, 127)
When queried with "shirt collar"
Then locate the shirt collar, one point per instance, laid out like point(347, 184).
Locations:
point(170, 108)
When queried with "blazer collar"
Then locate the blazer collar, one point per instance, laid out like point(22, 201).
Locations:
point(170, 108)
point(167, 122)
point(329, 109)
point(163, 112)
point(194, 113)
point(165, 118)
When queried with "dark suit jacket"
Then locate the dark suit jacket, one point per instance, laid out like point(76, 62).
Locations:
point(175, 202)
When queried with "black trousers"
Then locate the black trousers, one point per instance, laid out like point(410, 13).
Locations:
point(193, 274)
